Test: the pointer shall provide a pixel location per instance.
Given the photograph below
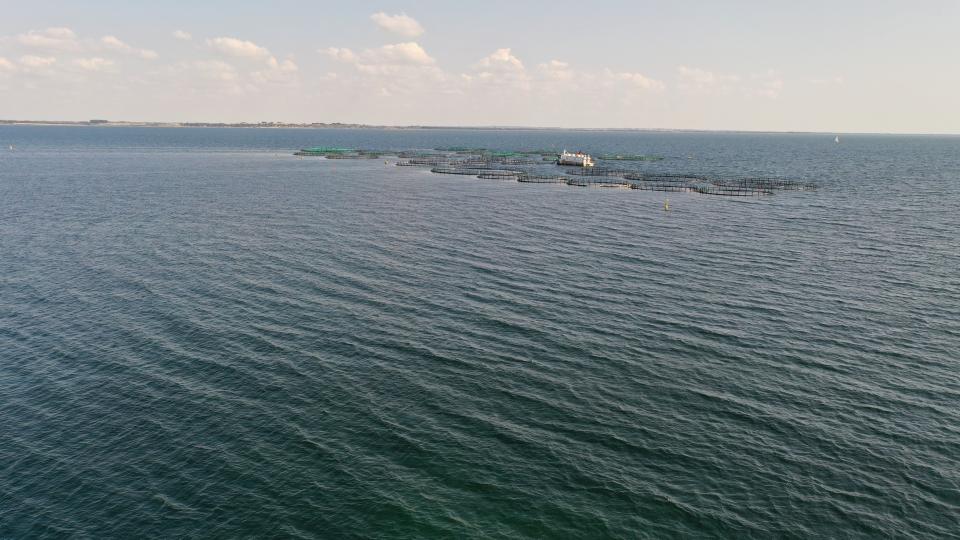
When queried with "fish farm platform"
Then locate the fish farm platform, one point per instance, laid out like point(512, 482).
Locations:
point(537, 167)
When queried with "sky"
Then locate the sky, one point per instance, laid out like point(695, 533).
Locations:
point(828, 66)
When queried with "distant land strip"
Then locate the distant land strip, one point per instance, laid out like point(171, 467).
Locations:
point(313, 125)
point(341, 125)
point(110, 123)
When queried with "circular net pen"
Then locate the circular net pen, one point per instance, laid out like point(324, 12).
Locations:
point(764, 183)
point(597, 181)
point(542, 179)
point(493, 174)
point(667, 178)
point(514, 161)
point(431, 162)
point(418, 154)
point(598, 172)
point(463, 171)
point(732, 191)
point(663, 186)
point(473, 162)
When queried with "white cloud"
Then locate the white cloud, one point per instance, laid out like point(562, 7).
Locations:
point(387, 58)
point(32, 61)
point(401, 24)
point(286, 65)
point(697, 79)
point(396, 69)
point(58, 38)
point(340, 54)
point(93, 64)
point(556, 70)
point(216, 70)
point(114, 43)
point(693, 80)
point(501, 59)
point(206, 78)
point(239, 48)
point(638, 80)
point(499, 71)
point(275, 71)
point(768, 84)
point(181, 35)
point(401, 53)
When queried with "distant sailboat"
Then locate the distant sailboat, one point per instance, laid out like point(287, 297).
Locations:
point(836, 139)
point(11, 147)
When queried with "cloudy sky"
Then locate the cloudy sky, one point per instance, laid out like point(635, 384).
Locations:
point(833, 66)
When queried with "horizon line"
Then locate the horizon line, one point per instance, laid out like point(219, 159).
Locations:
point(349, 125)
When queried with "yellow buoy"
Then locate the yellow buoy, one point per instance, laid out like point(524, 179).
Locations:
point(666, 205)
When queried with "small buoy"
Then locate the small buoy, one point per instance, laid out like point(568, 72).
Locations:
point(666, 205)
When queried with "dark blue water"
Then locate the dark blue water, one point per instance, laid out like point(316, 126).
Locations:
point(201, 335)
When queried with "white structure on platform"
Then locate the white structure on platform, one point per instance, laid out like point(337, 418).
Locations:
point(578, 159)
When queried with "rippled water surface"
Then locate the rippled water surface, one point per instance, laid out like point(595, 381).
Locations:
point(201, 335)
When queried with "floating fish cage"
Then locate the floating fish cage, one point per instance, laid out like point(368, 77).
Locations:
point(662, 186)
point(514, 161)
point(768, 184)
point(419, 162)
point(340, 153)
point(500, 175)
point(465, 171)
point(454, 170)
point(667, 178)
point(730, 191)
point(543, 179)
point(589, 182)
point(598, 171)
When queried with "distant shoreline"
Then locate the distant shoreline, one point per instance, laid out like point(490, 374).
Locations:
point(339, 125)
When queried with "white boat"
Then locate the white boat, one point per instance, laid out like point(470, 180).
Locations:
point(836, 139)
point(577, 159)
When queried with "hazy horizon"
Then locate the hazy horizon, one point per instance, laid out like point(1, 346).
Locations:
point(354, 125)
point(743, 66)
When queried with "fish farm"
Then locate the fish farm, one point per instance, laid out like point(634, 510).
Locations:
point(540, 167)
